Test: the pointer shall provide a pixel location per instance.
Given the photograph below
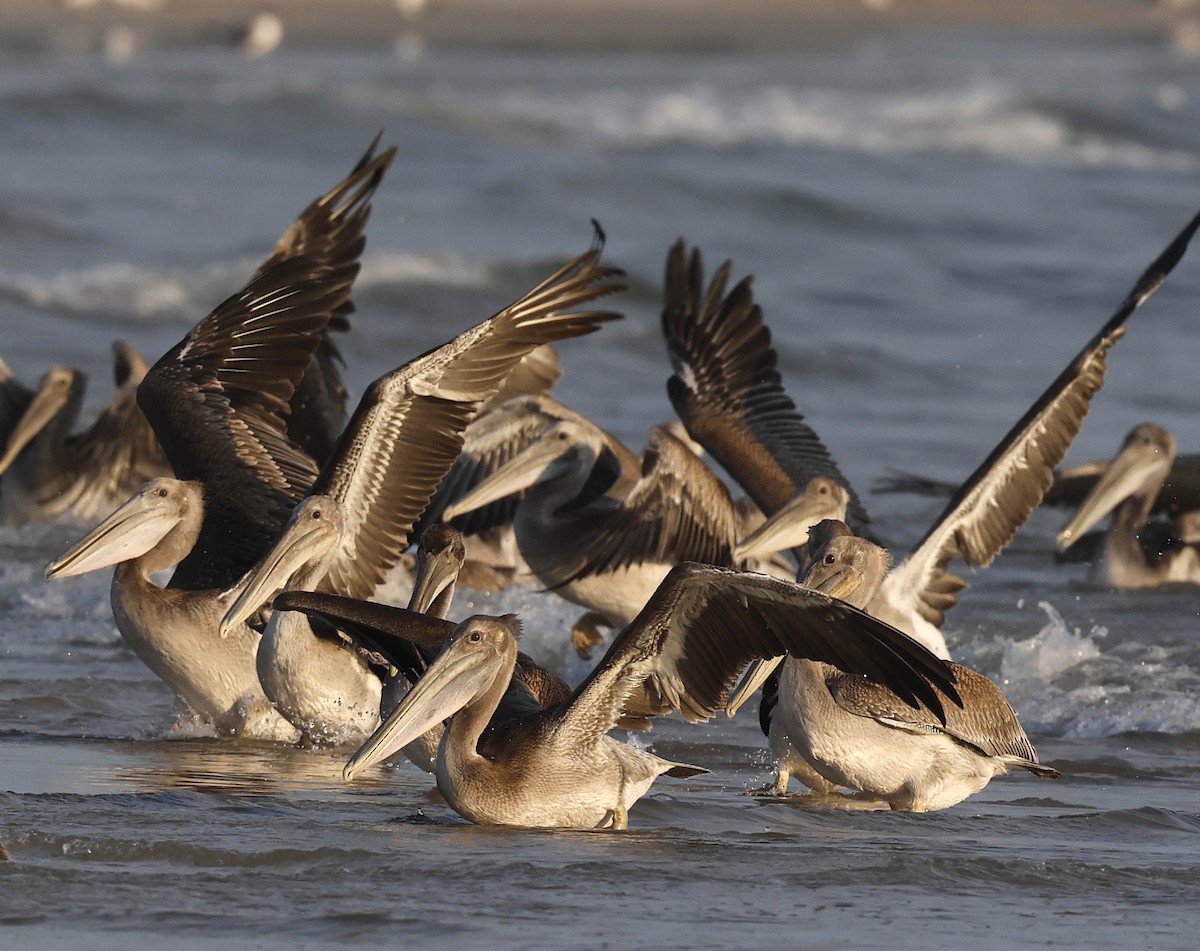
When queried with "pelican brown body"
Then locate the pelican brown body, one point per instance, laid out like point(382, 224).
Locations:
point(558, 766)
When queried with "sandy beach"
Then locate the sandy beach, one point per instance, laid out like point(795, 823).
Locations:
point(651, 25)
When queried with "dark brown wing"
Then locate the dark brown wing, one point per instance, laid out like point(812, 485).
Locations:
point(217, 401)
point(728, 391)
point(497, 435)
point(120, 447)
point(677, 511)
point(704, 625)
point(15, 398)
point(330, 230)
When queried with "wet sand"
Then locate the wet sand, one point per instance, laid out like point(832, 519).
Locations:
point(745, 25)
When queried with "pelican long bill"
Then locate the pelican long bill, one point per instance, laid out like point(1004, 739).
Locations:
point(453, 679)
point(309, 532)
point(131, 531)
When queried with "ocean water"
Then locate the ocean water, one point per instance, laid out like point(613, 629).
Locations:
point(937, 219)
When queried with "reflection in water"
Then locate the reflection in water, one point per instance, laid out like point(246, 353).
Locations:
point(242, 769)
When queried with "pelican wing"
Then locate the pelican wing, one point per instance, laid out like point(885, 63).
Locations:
point(703, 625)
point(985, 513)
point(535, 375)
point(728, 391)
point(217, 400)
point(408, 428)
point(677, 511)
point(985, 721)
point(331, 230)
point(408, 641)
point(494, 437)
point(120, 447)
point(403, 639)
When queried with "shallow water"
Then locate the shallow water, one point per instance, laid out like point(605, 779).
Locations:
point(937, 219)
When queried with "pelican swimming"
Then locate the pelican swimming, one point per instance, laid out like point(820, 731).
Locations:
point(173, 630)
point(49, 472)
point(734, 410)
point(218, 404)
point(857, 734)
point(355, 521)
point(1128, 489)
point(559, 767)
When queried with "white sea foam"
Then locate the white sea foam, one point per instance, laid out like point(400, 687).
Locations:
point(1062, 682)
point(987, 120)
point(146, 293)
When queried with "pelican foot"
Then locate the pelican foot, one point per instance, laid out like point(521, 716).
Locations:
point(586, 633)
point(775, 789)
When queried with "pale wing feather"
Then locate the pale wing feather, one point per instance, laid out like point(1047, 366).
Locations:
point(985, 513)
point(408, 428)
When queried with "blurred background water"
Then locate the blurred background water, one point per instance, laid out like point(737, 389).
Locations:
point(937, 215)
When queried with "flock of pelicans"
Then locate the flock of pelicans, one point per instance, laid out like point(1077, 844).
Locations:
point(230, 460)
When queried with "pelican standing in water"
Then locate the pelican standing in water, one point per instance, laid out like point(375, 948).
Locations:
point(49, 472)
point(219, 403)
point(1128, 488)
point(355, 522)
point(559, 767)
point(857, 734)
point(979, 520)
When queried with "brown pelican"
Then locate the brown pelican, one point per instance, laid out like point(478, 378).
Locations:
point(1128, 488)
point(558, 767)
point(49, 472)
point(596, 538)
point(174, 629)
point(218, 402)
point(857, 734)
point(355, 521)
point(984, 514)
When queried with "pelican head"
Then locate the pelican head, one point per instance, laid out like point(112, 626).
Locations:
point(480, 651)
point(310, 535)
point(821, 499)
point(61, 390)
point(440, 557)
point(134, 529)
point(561, 450)
point(843, 564)
point(1146, 457)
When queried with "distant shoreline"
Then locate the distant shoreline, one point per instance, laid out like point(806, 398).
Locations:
point(631, 25)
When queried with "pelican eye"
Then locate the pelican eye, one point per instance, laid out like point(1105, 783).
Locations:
point(830, 559)
point(474, 637)
point(316, 515)
point(161, 492)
